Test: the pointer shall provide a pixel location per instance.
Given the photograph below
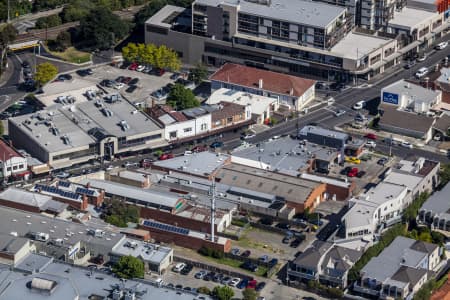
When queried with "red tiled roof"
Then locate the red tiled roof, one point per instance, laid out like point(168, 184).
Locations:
point(178, 116)
point(272, 81)
point(226, 110)
point(6, 151)
point(443, 293)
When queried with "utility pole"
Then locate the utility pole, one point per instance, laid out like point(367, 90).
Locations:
point(390, 146)
point(213, 207)
point(9, 19)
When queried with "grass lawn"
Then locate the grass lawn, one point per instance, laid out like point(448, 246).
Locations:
point(236, 263)
point(72, 55)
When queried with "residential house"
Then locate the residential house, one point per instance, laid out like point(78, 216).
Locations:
point(435, 212)
point(13, 163)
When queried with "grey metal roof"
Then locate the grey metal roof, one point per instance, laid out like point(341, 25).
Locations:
point(341, 258)
point(311, 13)
point(74, 283)
point(417, 92)
point(32, 263)
point(439, 203)
point(310, 258)
point(23, 223)
point(398, 253)
point(201, 163)
point(323, 132)
point(285, 155)
point(20, 196)
point(135, 193)
point(148, 252)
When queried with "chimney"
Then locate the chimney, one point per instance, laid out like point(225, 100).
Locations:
point(260, 83)
point(88, 185)
point(153, 102)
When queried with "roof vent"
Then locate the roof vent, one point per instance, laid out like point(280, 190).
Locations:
point(42, 284)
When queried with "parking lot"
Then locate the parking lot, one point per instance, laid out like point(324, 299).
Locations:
point(145, 83)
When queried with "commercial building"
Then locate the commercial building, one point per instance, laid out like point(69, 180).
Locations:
point(13, 249)
point(184, 237)
point(291, 91)
point(52, 280)
point(411, 97)
point(406, 123)
point(262, 107)
point(30, 201)
point(436, 210)
point(300, 38)
point(380, 207)
point(76, 132)
point(287, 156)
point(298, 194)
point(400, 270)
point(325, 262)
point(156, 258)
point(13, 163)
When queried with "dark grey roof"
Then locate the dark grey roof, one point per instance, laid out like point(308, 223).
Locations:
point(11, 244)
point(343, 258)
point(443, 123)
point(33, 263)
point(438, 203)
point(405, 120)
point(424, 247)
point(409, 275)
point(311, 257)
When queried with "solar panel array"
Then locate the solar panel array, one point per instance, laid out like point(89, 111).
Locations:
point(166, 227)
point(84, 191)
point(55, 190)
point(65, 184)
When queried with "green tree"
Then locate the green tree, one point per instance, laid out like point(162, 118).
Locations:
point(223, 292)
point(159, 57)
point(148, 11)
point(445, 174)
point(48, 22)
point(100, 29)
point(199, 74)
point(76, 10)
point(7, 35)
point(204, 290)
point(129, 267)
point(2, 129)
point(45, 72)
point(63, 41)
point(181, 98)
point(249, 294)
point(120, 213)
point(425, 236)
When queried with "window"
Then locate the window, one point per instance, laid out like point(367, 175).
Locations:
point(188, 129)
point(173, 135)
point(14, 168)
point(203, 126)
point(8, 169)
point(229, 119)
point(21, 166)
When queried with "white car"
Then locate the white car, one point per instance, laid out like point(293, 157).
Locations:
point(63, 175)
point(421, 72)
point(359, 105)
point(339, 113)
point(234, 281)
point(179, 267)
point(119, 85)
point(371, 144)
point(406, 145)
point(421, 58)
point(140, 68)
point(248, 136)
point(441, 45)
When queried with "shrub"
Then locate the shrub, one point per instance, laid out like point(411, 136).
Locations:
point(204, 290)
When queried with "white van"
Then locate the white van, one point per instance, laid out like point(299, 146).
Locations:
point(421, 72)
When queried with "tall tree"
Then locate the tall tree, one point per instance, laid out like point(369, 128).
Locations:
point(199, 74)
point(7, 35)
point(101, 28)
point(223, 292)
point(45, 72)
point(159, 57)
point(249, 294)
point(129, 267)
point(181, 98)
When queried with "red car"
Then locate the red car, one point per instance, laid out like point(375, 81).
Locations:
point(370, 136)
point(146, 163)
point(133, 66)
point(353, 172)
point(160, 72)
point(199, 149)
point(252, 284)
point(166, 156)
point(125, 80)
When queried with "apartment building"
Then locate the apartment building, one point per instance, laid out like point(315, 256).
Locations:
point(435, 212)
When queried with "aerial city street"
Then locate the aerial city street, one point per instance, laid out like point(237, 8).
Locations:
point(224, 149)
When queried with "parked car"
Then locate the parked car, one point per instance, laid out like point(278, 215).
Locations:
point(264, 259)
point(178, 267)
point(371, 136)
point(382, 161)
point(166, 156)
point(234, 282)
point(126, 80)
point(131, 89)
point(218, 277)
point(287, 239)
point(175, 76)
point(200, 274)
point(250, 266)
point(209, 276)
point(243, 284)
point(273, 262)
point(282, 225)
point(295, 243)
point(187, 269)
point(226, 280)
point(248, 136)
point(421, 72)
point(246, 253)
point(441, 45)
point(216, 144)
point(235, 251)
point(107, 83)
point(352, 159)
point(353, 172)
point(361, 174)
point(140, 68)
point(64, 77)
point(359, 105)
point(62, 175)
point(147, 69)
point(260, 286)
point(406, 145)
point(133, 81)
point(133, 66)
point(371, 144)
point(339, 113)
point(26, 64)
point(252, 284)
point(422, 57)
point(199, 149)
point(410, 64)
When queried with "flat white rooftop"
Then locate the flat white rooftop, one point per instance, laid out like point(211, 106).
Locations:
point(411, 17)
point(259, 104)
point(356, 46)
